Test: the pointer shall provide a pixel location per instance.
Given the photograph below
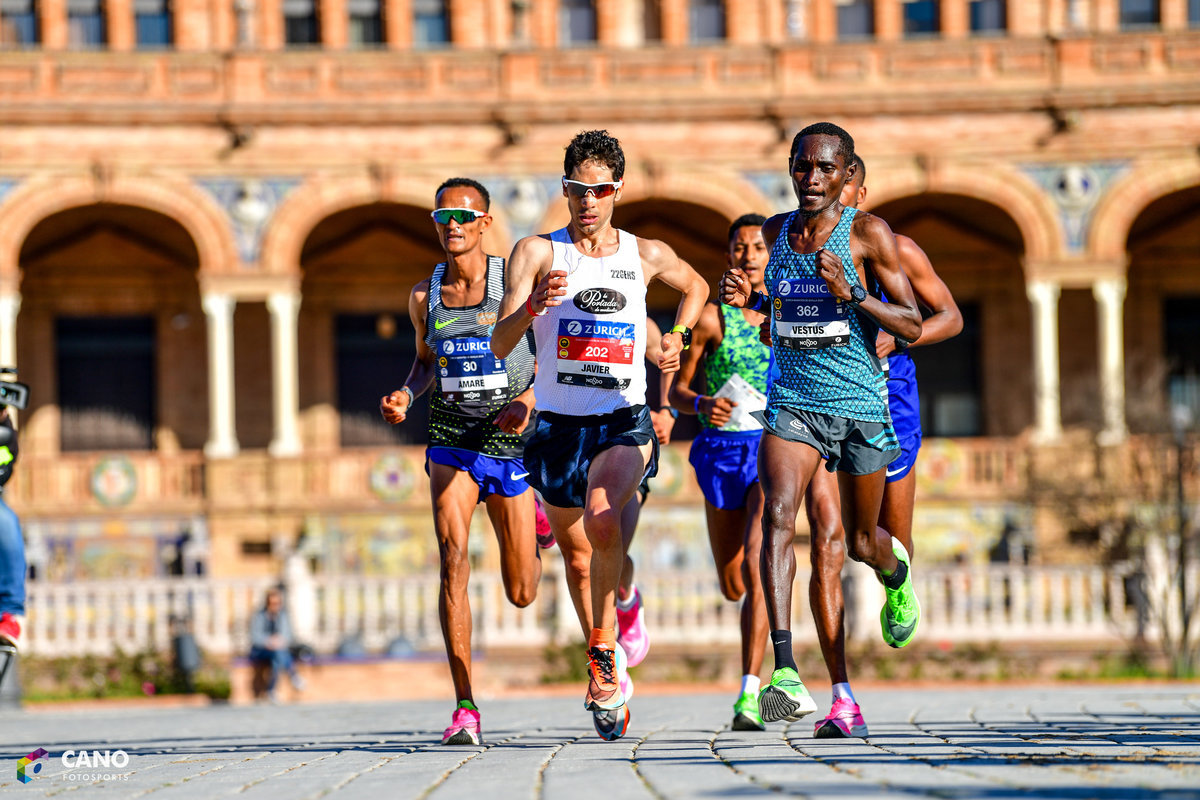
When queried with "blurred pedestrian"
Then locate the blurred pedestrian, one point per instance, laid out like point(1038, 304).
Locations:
point(271, 643)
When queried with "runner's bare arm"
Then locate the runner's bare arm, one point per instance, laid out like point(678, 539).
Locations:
point(706, 337)
point(515, 416)
point(931, 292)
point(874, 244)
point(528, 282)
point(663, 420)
point(661, 263)
point(394, 407)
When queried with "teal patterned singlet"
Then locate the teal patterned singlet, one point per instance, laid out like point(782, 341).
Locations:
point(740, 352)
point(824, 348)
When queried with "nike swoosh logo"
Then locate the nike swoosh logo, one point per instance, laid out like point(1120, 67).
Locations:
point(438, 324)
point(900, 632)
point(892, 472)
point(514, 476)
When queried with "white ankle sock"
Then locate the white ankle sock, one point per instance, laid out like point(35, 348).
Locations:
point(842, 690)
point(750, 683)
point(630, 599)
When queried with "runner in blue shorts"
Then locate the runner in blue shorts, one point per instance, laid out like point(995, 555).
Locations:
point(725, 454)
point(478, 413)
point(896, 512)
point(827, 269)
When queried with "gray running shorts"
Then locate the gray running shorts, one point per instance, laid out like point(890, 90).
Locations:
point(847, 445)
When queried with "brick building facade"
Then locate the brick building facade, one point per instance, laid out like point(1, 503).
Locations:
point(212, 211)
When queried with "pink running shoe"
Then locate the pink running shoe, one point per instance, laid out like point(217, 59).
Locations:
point(464, 727)
point(845, 721)
point(631, 630)
point(545, 536)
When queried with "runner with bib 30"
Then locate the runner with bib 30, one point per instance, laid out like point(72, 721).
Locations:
point(478, 413)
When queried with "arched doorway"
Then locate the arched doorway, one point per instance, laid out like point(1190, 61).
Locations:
point(978, 383)
point(359, 267)
point(698, 235)
point(110, 323)
point(1162, 311)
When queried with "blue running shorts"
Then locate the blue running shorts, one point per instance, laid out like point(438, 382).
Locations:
point(909, 447)
point(502, 476)
point(726, 465)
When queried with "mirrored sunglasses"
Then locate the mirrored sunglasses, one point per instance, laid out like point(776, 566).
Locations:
point(598, 190)
point(462, 216)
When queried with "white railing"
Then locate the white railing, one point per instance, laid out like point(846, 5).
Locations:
point(1069, 604)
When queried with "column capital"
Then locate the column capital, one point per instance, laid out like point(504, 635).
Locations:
point(283, 302)
point(217, 304)
point(1042, 291)
point(1109, 290)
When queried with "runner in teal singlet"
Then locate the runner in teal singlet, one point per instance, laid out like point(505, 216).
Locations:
point(725, 454)
point(827, 266)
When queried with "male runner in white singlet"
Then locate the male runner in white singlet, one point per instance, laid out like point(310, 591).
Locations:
point(583, 289)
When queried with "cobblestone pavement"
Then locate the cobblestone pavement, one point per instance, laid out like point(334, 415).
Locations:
point(1097, 742)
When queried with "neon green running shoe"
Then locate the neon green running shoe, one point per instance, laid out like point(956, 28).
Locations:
point(745, 713)
point(785, 697)
point(901, 613)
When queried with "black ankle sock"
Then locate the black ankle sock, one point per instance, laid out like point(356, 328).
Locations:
point(896, 579)
point(781, 641)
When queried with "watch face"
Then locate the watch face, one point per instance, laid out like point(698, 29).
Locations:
point(858, 293)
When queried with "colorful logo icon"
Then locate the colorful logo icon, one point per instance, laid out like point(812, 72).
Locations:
point(30, 765)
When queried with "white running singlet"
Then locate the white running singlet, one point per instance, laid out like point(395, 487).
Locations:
point(591, 350)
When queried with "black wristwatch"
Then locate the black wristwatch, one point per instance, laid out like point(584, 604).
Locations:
point(900, 343)
point(685, 335)
point(672, 410)
point(857, 295)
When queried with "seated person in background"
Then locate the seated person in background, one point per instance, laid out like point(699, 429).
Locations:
point(271, 642)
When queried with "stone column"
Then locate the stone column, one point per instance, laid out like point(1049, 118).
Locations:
point(10, 304)
point(955, 18)
point(1110, 317)
point(285, 384)
point(1043, 295)
point(218, 312)
point(889, 20)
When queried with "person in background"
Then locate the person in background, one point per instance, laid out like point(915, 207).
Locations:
point(271, 643)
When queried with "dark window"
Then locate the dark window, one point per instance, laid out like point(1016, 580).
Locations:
point(431, 23)
point(373, 360)
point(576, 22)
point(366, 23)
point(1181, 323)
point(706, 20)
point(989, 16)
point(652, 20)
point(921, 18)
point(949, 380)
point(85, 24)
point(1194, 13)
point(856, 19)
point(106, 382)
point(300, 22)
point(1139, 13)
point(152, 19)
point(18, 24)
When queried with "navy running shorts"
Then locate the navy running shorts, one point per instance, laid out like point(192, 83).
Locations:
point(847, 445)
point(503, 476)
point(910, 446)
point(562, 448)
point(726, 465)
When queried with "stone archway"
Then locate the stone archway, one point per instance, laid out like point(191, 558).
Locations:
point(110, 321)
point(1162, 310)
point(979, 382)
point(359, 266)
